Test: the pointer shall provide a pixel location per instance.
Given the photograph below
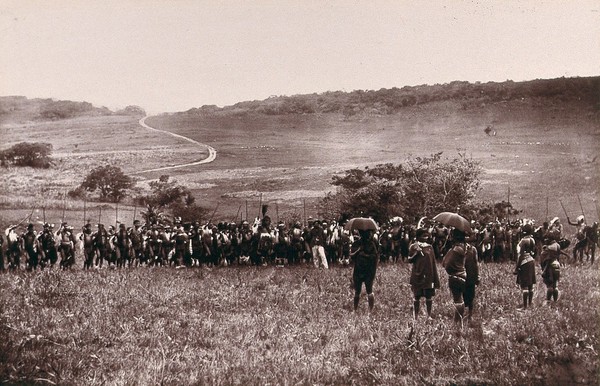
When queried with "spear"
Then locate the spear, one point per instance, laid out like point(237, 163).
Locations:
point(215, 211)
point(277, 211)
point(64, 206)
point(84, 209)
point(581, 206)
point(237, 214)
point(134, 210)
point(100, 216)
point(546, 208)
point(597, 209)
point(260, 205)
point(563, 207)
point(304, 212)
point(246, 210)
point(44, 212)
point(116, 214)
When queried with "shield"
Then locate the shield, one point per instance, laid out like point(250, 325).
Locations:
point(361, 224)
point(454, 220)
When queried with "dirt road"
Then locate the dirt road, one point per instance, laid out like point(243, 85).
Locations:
point(212, 153)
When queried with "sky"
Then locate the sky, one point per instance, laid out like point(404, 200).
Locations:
point(173, 55)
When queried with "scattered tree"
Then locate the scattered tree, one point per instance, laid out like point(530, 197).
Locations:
point(35, 155)
point(109, 181)
point(168, 194)
point(420, 187)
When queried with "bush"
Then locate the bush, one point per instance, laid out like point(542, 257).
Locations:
point(35, 155)
point(420, 187)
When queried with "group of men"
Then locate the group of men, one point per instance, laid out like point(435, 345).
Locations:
point(324, 243)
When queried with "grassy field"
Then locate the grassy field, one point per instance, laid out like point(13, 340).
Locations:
point(293, 325)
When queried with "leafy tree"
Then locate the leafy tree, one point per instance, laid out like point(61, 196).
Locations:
point(420, 187)
point(36, 155)
point(109, 181)
point(168, 194)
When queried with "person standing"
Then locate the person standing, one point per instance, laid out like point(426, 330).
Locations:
point(317, 245)
point(550, 262)
point(472, 270)
point(454, 263)
point(525, 268)
point(31, 247)
point(365, 255)
point(424, 278)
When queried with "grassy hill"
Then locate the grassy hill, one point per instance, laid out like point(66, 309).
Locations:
point(542, 144)
point(543, 138)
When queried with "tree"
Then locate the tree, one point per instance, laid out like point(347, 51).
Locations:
point(36, 155)
point(420, 187)
point(168, 194)
point(109, 181)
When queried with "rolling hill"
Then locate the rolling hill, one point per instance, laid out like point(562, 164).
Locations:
point(538, 139)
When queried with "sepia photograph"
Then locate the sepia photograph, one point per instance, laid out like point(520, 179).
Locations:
point(299, 192)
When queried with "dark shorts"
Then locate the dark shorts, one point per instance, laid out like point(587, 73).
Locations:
point(427, 293)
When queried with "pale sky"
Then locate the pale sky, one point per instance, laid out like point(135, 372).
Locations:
point(178, 54)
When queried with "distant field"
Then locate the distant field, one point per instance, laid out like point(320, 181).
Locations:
point(539, 152)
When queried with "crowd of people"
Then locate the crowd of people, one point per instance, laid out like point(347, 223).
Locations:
point(318, 242)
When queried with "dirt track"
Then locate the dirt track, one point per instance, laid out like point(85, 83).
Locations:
point(212, 153)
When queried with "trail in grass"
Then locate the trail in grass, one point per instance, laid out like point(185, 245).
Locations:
point(212, 153)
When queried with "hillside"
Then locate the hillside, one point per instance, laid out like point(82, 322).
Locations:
point(539, 140)
point(21, 109)
point(394, 100)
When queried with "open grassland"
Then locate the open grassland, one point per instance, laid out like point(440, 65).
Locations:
point(539, 151)
point(79, 145)
point(293, 325)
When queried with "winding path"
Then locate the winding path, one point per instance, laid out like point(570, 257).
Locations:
point(212, 153)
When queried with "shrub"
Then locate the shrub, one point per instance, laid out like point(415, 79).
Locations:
point(35, 155)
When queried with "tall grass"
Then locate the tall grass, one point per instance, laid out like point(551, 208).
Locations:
point(287, 326)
